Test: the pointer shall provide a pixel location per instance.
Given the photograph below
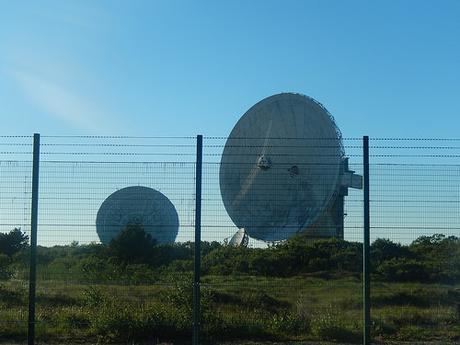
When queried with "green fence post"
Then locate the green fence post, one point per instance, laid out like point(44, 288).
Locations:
point(366, 245)
point(197, 266)
point(33, 240)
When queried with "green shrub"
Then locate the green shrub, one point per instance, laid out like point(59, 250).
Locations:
point(383, 249)
point(73, 318)
point(383, 328)
point(94, 297)
point(132, 245)
point(6, 271)
point(12, 297)
point(111, 319)
point(288, 323)
point(403, 270)
point(329, 324)
point(236, 325)
point(13, 242)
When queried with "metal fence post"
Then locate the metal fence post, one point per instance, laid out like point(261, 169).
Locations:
point(366, 245)
point(197, 266)
point(33, 240)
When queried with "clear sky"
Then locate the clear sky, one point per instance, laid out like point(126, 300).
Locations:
point(382, 68)
point(182, 68)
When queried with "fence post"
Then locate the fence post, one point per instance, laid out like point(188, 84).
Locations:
point(33, 240)
point(197, 266)
point(366, 245)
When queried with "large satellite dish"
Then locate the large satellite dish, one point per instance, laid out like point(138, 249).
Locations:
point(138, 205)
point(281, 168)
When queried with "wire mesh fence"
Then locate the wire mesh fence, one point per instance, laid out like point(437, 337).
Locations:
point(281, 239)
point(15, 194)
point(415, 229)
point(88, 285)
point(292, 274)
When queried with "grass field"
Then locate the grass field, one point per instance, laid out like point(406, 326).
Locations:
point(311, 308)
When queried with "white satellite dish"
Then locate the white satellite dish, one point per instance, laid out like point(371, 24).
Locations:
point(138, 205)
point(239, 239)
point(282, 168)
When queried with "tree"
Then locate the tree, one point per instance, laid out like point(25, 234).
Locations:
point(13, 242)
point(384, 249)
point(132, 245)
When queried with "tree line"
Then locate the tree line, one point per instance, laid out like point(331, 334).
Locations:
point(133, 256)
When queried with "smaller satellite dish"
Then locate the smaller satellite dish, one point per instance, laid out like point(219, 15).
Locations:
point(240, 239)
point(138, 205)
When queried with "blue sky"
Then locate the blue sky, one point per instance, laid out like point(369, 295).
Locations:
point(385, 69)
point(182, 68)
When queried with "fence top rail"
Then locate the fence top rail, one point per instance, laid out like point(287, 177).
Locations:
point(226, 137)
point(414, 139)
point(117, 137)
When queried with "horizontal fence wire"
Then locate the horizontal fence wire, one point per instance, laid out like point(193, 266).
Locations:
point(281, 230)
point(286, 203)
point(81, 276)
point(415, 229)
point(15, 196)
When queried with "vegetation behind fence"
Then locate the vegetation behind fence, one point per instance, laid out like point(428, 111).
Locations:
point(134, 289)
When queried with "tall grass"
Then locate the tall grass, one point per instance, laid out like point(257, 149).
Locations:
point(233, 308)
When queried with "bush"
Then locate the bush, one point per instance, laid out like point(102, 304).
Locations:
point(113, 320)
point(288, 323)
point(132, 245)
point(329, 324)
point(5, 269)
point(13, 242)
point(95, 269)
point(383, 249)
point(403, 270)
point(73, 318)
point(10, 298)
